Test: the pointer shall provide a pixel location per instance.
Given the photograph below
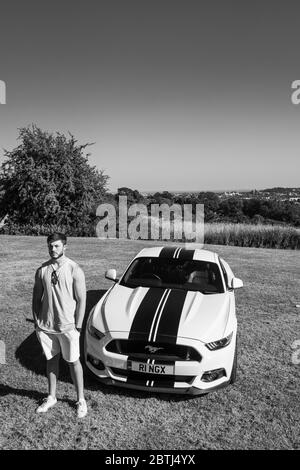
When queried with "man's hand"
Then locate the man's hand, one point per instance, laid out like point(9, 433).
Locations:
point(80, 295)
point(37, 295)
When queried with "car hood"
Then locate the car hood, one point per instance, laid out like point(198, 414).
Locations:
point(155, 314)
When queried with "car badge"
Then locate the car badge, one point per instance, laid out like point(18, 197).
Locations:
point(152, 349)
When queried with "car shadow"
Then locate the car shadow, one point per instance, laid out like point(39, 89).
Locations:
point(140, 394)
point(30, 356)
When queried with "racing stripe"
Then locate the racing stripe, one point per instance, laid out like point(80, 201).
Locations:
point(169, 383)
point(133, 381)
point(177, 253)
point(165, 384)
point(168, 252)
point(186, 254)
point(141, 324)
point(170, 318)
point(131, 376)
point(158, 314)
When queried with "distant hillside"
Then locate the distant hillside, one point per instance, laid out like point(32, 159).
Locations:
point(281, 190)
point(274, 191)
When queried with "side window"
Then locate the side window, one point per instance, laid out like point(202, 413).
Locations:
point(224, 274)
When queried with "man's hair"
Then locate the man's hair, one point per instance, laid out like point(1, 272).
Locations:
point(55, 236)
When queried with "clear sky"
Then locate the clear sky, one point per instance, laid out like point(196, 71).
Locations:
point(176, 95)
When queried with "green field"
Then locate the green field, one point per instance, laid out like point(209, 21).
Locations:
point(261, 411)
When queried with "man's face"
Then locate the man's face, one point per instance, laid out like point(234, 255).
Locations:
point(56, 249)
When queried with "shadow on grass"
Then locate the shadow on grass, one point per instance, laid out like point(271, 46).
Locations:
point(141, 394)
point(32, 394)
point(30, 356)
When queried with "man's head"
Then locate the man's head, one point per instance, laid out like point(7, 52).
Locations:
point(57, 243)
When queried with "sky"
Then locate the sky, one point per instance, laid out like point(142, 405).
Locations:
point(178, 95)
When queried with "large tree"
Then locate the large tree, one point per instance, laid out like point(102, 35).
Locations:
point(47, 179)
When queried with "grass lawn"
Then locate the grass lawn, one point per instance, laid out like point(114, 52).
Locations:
point(261, 411)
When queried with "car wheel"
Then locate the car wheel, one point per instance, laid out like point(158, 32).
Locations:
point(234, 367)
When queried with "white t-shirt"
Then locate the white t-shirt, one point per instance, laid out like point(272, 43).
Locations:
point(58, 302)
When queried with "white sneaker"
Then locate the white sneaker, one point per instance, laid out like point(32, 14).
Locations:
point(47, 403)
point(81, 408)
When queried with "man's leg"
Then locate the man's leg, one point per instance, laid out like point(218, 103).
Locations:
point(52, 374)
point(71, 353)
point(77, 377)
point(51, 349)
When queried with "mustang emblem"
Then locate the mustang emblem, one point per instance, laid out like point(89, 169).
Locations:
point(152, 349)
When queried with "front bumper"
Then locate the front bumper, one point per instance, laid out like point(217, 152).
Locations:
point(187, 377)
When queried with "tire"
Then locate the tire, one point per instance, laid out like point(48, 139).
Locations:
point(234, 367)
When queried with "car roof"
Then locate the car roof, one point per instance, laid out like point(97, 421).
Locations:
point(174, 252)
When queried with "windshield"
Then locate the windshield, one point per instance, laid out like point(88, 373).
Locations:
point(169, 273)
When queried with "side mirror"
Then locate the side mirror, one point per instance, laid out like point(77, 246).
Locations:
point(236, 283)
point(112, 275)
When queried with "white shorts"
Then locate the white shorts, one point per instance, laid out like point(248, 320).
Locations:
point(67, 343)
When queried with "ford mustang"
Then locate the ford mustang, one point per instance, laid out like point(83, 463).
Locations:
point(168, 324)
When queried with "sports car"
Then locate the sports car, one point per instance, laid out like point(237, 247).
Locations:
point(168, 324)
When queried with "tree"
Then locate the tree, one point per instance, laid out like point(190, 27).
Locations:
point(232, 208)
point(133, 195)
point(165, 197)
point(211, 204)
point(47, 179)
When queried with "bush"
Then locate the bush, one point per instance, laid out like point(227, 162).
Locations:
point(84, 230)
point(245, 235)
point(260, 236)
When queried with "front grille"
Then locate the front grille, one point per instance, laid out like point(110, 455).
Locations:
point(160, 380)
point(157, 351)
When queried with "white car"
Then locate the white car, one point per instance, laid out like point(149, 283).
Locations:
point(167, 325)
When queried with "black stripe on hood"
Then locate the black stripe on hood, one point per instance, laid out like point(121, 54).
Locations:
point(143, 319)
point(170, 319)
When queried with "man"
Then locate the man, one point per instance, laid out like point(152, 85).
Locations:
point(58, 307)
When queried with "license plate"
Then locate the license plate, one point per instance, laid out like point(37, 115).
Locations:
point(148, 368)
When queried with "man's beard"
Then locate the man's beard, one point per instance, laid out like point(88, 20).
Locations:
point(59, 256)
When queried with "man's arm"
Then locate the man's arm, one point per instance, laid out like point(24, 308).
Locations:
point(37, 295)
point(80, 295)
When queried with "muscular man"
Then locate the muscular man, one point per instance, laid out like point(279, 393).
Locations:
point(58, 306)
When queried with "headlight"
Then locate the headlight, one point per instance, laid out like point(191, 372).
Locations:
point(221, 343)
point(94, 332)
